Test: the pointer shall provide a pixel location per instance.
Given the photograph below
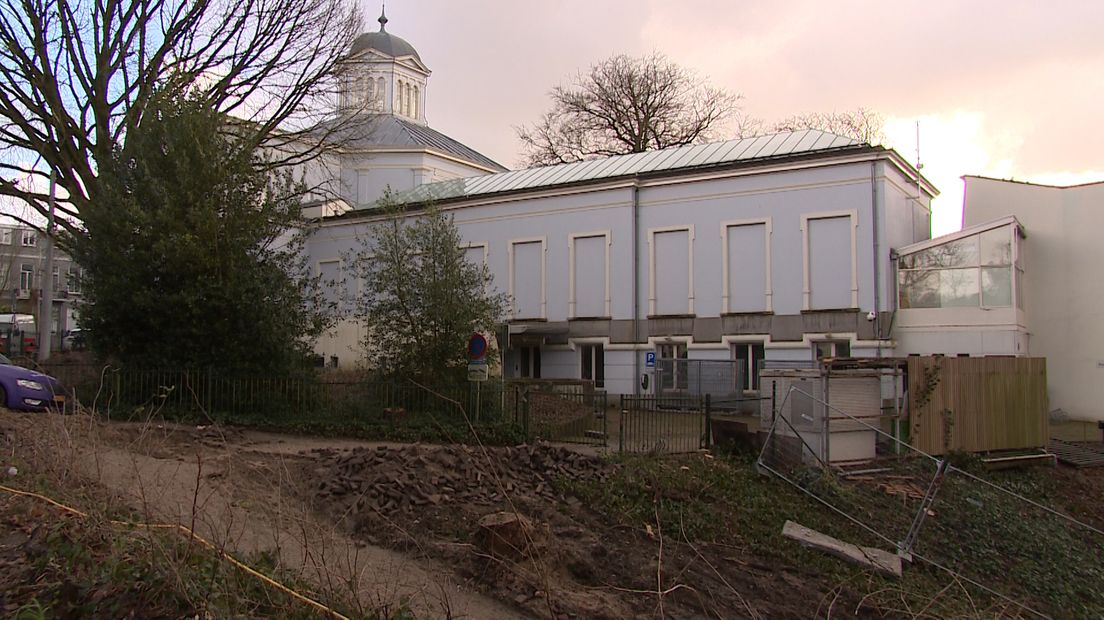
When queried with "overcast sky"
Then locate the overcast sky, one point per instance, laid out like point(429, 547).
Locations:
point(1006, 89)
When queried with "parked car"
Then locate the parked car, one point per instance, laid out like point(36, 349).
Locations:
point(18, 334)
point(27, 390)
point(75, 340)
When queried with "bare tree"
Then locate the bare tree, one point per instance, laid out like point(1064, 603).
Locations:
point(77, 75)
point(627, 105)
point(861, 124)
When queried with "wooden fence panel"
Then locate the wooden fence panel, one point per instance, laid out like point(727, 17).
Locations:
point(977, 404)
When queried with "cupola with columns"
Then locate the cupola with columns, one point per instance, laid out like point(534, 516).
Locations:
point(383, 74)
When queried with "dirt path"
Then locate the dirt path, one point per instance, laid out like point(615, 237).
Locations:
point(239, 490)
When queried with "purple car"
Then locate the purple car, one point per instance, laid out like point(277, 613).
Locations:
point(21, 388)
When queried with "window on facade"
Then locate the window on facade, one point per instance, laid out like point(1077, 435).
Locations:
point(379, 91)
point(73, 281)
point(57, 278)
point(590, 276)
point(975, 271)
point(30, 239)
point(671, 271)
point(830, 262)
point(5, 236)
point(527, 284)
point(475, 255)
point(414, 106)
point(748, 356)
point(832, 348)
point(529, 362)
point(330, 272)
point(672, 366)
point(26, 277)
point(747, 267)
point(593, 364)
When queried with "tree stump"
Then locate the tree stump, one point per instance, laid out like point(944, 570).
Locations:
point(504, 534)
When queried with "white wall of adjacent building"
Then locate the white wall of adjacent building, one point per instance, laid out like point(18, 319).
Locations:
point(1063, 298)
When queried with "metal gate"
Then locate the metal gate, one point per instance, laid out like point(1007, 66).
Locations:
point(663, 424)
point(573, 417)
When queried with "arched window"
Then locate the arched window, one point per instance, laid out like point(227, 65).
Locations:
point(397, 107)
point(406, 99)
point(379, 92)
point(414, 108)
point(346, 86)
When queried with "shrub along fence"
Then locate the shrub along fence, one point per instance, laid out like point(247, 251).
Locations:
point(310, 400)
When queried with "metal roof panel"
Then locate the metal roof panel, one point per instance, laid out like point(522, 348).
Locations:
point(746, 149)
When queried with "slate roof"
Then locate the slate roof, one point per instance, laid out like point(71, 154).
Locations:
point(388, 130)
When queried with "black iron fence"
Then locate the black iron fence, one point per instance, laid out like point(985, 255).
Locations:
point(567, 417)
point(119, 392)
point(664, 424)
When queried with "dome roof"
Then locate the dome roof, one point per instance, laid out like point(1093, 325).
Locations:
point(384, 42)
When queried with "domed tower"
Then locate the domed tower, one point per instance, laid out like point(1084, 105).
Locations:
point(383, 74)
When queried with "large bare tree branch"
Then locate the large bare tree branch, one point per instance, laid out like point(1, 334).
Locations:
point(77, 75)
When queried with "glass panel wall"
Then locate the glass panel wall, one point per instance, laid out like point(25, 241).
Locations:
point(974, 271)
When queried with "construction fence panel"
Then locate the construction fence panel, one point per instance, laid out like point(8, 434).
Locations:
point(979, 528)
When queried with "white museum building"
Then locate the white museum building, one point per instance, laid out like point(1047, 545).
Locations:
point(781, 247)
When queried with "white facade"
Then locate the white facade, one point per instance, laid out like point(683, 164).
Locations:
point(768, 257)
point(1063, 299)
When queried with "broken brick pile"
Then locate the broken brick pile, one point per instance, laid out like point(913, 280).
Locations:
point(396, 479)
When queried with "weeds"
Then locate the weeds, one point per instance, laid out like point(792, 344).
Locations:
point(723, 503)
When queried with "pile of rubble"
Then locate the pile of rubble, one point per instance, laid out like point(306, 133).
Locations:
point(398, 479)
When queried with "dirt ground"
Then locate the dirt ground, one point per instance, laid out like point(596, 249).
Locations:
point(397, 524)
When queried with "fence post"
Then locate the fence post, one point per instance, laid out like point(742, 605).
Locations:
point(621, 426)
point(525, 413)
point(708, 421)
point(210, 397)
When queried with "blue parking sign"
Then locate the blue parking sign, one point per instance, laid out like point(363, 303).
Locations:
point(649, 359)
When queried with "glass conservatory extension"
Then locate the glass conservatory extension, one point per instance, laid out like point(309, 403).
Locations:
point(978, 267)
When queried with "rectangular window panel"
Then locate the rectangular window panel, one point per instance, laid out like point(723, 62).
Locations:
point(529, 359)
point(996, 287)
point(30, 239)
point(672, 272)
point(593, 364)
point(958, 288)
point(671, 369)
point(74, 280)
point(5, 236)
point(1019, 288)
point(474, 255)
point(330, 272)
point(919, 288)
point(590, 276)
point(830, 262)
point(747, 268)
point(959, 253)
point(26, 277)
point(996, 246)
point(527, 280)
point(832, 348)
point(748, 357)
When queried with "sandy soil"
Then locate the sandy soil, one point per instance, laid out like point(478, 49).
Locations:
point(242, 491)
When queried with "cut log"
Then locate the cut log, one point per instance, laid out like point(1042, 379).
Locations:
point(883, 562)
